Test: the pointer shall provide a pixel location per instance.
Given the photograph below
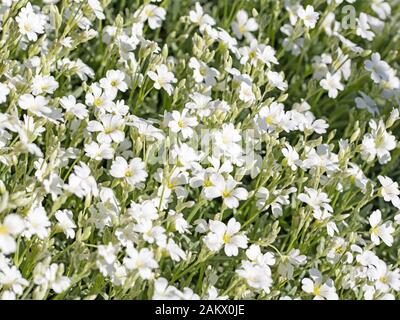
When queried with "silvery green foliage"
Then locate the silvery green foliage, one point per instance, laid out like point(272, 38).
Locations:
point(199, 150)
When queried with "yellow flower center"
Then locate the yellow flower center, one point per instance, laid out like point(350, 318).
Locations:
point(149, 13)
point(269, 120)
point(226, 194)
point(339, 250)
point(227, 238)
point(3, 229)
point(374, 230)
point(27, 27)
point(98, 102)
point(129, 173)
point(317, 290)
point(208, 183)
point(226, 139)
point(203, 71)
point(170, 185)
point(386, 85)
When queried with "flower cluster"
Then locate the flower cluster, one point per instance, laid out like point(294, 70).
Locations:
point(187, 150)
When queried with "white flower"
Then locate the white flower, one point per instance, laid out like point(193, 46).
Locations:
point(308, 15)
point(66, 42)
point(11, 278)
point(255, 255)
point(175, 251)
point(114, 81)
point(366, 258)
point(200, 103)
point(332, 84)
point(153, 14)
point(81, 183)
point(106, 211)
point(246, 93)
point(163, 291)
point(184, 156)
point(188, 294)
point(182, 122)
point(108, 253)
point(43, 84)
point(227, 236)
point(133, 173)
point(83, 71)
point(289, 261)
point(53, 185)
point(66, 222)
point(28, 132)
point(73, 108)
point(212, 294)
point(378, 143)
point(379, 69)
point(305, 121)
point(51, 277)
point(179, 222)
point(142, 260)
point(96, 7)
point(177, 178)
point(291, 156)
point(390, 191)
point(274, 118)
point(118, 108)
point(363, 27)
point(243, 26)
point(316, 287)
point(258, 53)
point(319, 201)
point(219, 187)
point(277, 80)
point(197, 16)
point(380, 231)
point(4, 91)
point(97, 98)
point(99, 151)
point(110, 128)
point(162, 78)
point(227, 141)
point(366, 102)
point(145, 210)
point(30, 24)
point(202, 226)
point(203, 73)
point(36, 105)
point(12, 226)
point(37, 223)
point(339, 251)
point(384, 278)
point(150, 233)
point(256, 276)
point(381, 8)
point(321, 65)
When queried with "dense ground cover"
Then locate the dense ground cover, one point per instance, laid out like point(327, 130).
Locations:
point(216, 149)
